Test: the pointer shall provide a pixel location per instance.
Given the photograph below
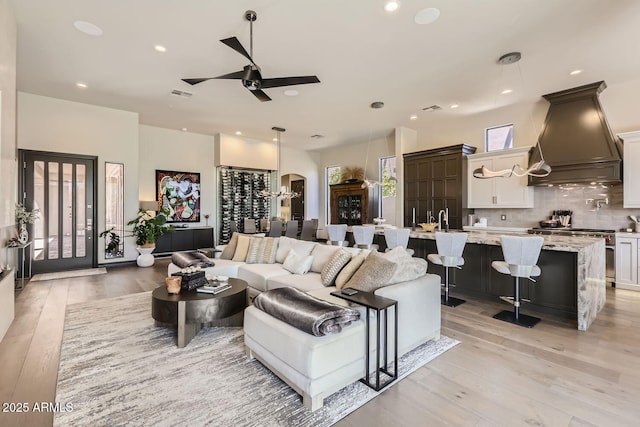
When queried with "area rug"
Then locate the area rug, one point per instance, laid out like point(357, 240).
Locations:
point(117, 368)
point(68, 274)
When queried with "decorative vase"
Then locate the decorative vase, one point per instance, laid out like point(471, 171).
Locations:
point(23, 234)
point(173, 284)
point(145, 259)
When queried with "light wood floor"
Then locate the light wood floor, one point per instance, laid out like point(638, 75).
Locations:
point(551, 375)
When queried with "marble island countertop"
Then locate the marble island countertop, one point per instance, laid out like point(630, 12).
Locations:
point(551, 242)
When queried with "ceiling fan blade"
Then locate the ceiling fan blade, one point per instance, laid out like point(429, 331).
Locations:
point(196, 81)
point(235, 44)
point(260, 95)
point(288, 81)
point(238, 75)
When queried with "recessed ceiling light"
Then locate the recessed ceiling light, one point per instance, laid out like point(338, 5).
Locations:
point(183, 129)
point(82, 85)
point(291, 92)
point(391, 6)
point(275, 139)
point(454, 106)
point(575, 72)
point(238, 133)
point(506, 91)
point(427, 16)
point(413, 117)
point(88, 28)
point(160, 48)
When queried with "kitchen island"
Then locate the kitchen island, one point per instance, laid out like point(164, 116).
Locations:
point(572, 283)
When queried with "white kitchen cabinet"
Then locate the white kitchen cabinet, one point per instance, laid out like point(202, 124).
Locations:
point(500, 192)
point(631, 171)
point(627, 261)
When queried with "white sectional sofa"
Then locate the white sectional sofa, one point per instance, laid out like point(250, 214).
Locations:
point(317, 366)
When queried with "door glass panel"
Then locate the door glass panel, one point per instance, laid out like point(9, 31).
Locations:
point(114, 210)
point(67, 210)
point(81, 217)
point(38, 203)
point(54, 240)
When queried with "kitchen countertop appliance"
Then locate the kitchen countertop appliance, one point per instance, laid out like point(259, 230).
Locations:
point(609, 237)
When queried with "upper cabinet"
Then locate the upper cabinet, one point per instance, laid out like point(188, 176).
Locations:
point(631, 174)
point(501, 192)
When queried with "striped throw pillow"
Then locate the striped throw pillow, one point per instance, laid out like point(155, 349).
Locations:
point(331, 269)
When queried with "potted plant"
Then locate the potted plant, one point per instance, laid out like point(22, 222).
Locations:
point(147, 229)
point(112, 240)
point(24, 217)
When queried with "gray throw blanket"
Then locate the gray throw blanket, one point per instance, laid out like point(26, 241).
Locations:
point(309, 314)
point(191, 259)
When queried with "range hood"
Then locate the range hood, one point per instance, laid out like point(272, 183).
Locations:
point(577, 141)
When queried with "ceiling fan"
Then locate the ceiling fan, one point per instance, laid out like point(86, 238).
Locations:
point(250, 74)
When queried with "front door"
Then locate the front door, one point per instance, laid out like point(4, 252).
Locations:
point(62, 187)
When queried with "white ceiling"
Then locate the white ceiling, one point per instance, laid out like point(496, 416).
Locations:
point(359, 52)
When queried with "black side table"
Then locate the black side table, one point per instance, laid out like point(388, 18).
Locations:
point(379, 304)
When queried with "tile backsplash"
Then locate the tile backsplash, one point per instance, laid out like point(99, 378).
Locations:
point(581, 199)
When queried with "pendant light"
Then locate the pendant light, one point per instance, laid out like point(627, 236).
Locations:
point(284, 192)
point(539, 169)
point(370, 183)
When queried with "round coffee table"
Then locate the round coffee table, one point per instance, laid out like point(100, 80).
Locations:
point(189, 311)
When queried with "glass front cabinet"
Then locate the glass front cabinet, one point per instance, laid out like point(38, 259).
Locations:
point(353, 205)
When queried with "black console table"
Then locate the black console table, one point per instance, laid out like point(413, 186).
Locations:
point(379, 304)
point(184, 239)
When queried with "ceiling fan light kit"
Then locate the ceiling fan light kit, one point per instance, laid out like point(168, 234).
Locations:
point(251, 75)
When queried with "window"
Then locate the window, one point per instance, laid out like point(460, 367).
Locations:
point(498, 138)
point(388, 186)
point(332, 176)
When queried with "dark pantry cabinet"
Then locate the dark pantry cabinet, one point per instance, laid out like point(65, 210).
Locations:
point(435, 180)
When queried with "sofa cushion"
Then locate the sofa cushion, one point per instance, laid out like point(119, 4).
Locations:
point(352, 266)
point(296, 263)
point(321, 255)
point(330, 271)
point(256, 275)
point(242, 248)
point(285, 244)
point(410, 268)
point(375, 272)
point(325, 294)
point(309, 282)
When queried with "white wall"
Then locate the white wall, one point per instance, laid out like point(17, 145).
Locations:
point(173, 150)
point(56, 125)
point(305, 164)
point(245, 152)
point(8, 163)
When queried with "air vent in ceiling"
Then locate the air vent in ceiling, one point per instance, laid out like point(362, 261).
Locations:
point(179, 92)
point(433, 107)
point(317, 136)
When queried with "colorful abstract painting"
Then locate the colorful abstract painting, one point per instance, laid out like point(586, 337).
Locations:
point(179, 194)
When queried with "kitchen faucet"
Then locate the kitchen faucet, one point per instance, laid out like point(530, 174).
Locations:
point(443, 215)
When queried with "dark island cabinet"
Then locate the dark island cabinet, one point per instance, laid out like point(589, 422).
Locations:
point(555, 290)
point(435, 180)
point(185, 239)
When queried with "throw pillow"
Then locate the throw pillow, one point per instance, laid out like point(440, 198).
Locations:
point(284, 246)
point(296, 263)
point(375, 272)
point(230, 249)
point(270, 250)
point(331, 268)
point(242, 248)
point(255, 253)
point(321, 255)
point(348, 270)
point(409, 268)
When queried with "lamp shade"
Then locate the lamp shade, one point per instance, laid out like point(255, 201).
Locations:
point(151, 205)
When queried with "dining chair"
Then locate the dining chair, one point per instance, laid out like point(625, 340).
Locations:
point(292, 229)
